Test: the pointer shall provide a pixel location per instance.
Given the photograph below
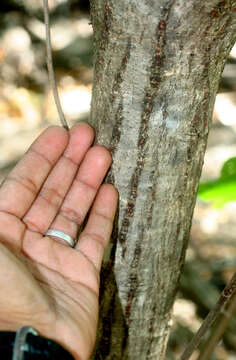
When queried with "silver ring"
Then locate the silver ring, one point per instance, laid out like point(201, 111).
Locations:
point(61, 235)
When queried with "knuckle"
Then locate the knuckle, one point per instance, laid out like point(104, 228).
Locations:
point(99, 239)
point(72, 215)
point(51, 196)
point(26, 182)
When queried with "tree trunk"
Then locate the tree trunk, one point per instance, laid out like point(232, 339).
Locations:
point(157, 68)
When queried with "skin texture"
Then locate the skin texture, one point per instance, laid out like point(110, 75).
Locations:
point(45, 283)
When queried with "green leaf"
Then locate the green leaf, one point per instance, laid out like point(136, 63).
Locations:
point(223, 190)
point(229, 168)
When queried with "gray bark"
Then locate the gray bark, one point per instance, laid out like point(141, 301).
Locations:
point(157, 68)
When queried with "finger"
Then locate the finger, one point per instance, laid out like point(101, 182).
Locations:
point(83, 191)
point(25, 180)
point(95, 237)
point(56, 186)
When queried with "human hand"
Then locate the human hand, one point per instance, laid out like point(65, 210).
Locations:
point(45, 283)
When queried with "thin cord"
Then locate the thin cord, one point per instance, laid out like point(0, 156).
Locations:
point(51, 74)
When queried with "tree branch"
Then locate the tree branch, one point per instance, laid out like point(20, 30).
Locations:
point(218, 329)
point(211, 317)
point(51, 74)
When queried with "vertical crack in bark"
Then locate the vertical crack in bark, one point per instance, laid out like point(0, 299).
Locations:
point(115, 139)
point(119, 75)
point(199, 129)
point(108, 306)
point(107, 273)
point(107, 21)
point(105, 336)
point(199, 132)
point(116, 89)
point(103, 37)
point(150, 329)
point(142, 146)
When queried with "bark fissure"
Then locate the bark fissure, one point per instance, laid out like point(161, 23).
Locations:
point(148, 103)
point(115, 138)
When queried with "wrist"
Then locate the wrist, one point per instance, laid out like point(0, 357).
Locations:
point(27, 344)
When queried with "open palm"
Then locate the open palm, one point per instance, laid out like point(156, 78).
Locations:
point(45, 283)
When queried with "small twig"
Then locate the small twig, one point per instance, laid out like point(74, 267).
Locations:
point(211, 317)
point(51, 74)
point(218, 329)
